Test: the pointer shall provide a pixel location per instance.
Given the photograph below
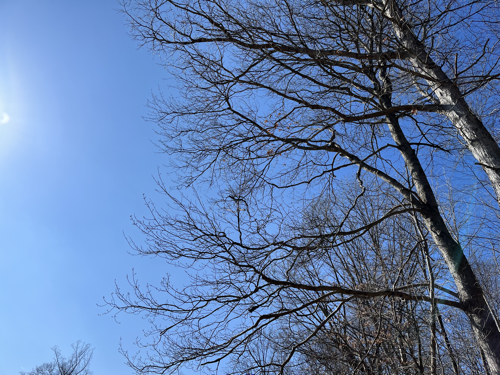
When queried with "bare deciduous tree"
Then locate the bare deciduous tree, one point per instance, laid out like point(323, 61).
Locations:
point(77, 364)
point(328, 130)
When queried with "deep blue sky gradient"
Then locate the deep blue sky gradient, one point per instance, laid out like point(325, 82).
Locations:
point(76, 158)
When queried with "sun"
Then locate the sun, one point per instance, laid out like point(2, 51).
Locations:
point(4, 118)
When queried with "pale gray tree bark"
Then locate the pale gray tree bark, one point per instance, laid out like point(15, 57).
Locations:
point(477, 137)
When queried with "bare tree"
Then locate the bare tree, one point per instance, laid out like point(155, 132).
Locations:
point(326, 128)
point(77, 364)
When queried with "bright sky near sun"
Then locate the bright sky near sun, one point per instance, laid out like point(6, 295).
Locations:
point(75, 159)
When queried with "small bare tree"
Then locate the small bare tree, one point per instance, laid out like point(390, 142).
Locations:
point(77, 364)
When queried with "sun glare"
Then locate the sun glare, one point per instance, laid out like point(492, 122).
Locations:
point(4, 118)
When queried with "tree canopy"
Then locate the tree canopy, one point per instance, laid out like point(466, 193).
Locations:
point(77, 364)
point(348, 155)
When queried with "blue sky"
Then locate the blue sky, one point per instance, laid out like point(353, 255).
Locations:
point(76, 158)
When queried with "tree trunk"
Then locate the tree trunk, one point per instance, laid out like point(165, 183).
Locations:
point(469, 290)
point(487, 153)
point(478, 139)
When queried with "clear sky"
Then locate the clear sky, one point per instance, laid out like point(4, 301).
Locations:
point(75, 160)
